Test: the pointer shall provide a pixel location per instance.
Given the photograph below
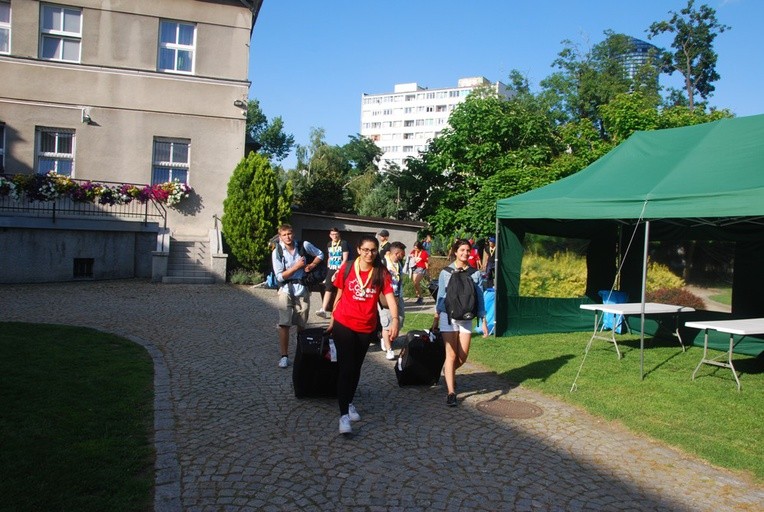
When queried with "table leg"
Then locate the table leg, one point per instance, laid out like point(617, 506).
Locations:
point(732, 366)
point(676, 332)
point(610, 339)
point(705, 352)
point(714, 361)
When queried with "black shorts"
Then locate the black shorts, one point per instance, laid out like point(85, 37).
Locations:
point(328, 285)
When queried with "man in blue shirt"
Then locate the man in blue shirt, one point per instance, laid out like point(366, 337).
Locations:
point(294, 297)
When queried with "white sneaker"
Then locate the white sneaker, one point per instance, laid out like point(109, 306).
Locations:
point(345, 427)
point(322, 314)
point(353, 413)
point(283, 362)
point(382, 346)
point(390, 355)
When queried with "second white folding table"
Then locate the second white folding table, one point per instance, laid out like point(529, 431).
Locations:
point(633, 308)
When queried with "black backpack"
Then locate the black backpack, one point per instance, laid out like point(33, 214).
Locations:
point(314, 278)
point(461, 298)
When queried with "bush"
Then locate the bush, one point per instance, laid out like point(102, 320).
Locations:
point(242, 276)
point(564, 275)
point(678, 296)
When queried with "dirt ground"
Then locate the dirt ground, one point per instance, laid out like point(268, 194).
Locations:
point(705, 293)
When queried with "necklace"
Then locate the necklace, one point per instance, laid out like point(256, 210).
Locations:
point(357, 268)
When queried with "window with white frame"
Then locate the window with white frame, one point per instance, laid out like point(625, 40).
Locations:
point(177, 45)
point(170, 160)
point(60, 33)
point(5, 27)
point(55, 151)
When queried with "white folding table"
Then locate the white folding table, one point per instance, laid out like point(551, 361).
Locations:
point(743, 327)
point(633, 308)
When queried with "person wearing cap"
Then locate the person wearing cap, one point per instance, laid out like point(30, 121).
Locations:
point(384, 245)
point(489, 262)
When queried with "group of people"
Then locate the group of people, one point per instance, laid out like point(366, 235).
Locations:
point(363, 296)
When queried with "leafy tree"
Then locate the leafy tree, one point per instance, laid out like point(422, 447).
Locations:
point(694, 57)
point(362, 154)
point(487, 135)
point(269, 136)
point(585, 80)
point(253, 210)
point(627, 113)
point(382, 201)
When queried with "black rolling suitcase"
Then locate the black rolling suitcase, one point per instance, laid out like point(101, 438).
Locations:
point(314, 374)
point(421, 359)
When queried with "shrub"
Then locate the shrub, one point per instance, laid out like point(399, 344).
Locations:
point(253, 210)
point(242, 276)
point(678, 296)
point(564, 275)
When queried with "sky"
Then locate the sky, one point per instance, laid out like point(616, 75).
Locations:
point(311, 61)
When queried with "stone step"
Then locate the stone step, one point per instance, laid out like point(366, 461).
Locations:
point(187, 280)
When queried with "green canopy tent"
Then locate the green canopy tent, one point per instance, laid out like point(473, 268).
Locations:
point(703, 182)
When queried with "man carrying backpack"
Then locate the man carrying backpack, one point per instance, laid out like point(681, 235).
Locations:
point(459, 302)
point(291, 263)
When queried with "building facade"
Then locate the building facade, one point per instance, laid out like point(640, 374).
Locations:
point(128, 91)
point(401, 123)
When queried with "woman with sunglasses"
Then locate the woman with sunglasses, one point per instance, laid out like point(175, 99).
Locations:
point(355, 321)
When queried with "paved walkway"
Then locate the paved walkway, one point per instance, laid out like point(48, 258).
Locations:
point(231, 436)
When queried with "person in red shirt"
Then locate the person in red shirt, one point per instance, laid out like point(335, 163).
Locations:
point(474, 259)
point(355, 320)
point(419, 264)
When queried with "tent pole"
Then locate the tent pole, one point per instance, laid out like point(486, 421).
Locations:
point(642, 314)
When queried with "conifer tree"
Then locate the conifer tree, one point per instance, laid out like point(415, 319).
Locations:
point(253, 210)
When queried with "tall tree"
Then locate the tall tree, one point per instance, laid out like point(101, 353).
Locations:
point(487, 135)
point(589, 78)
point(694, 56)
point(273, 142)
point(253, 210)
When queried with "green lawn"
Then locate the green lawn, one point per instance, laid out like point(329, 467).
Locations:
point(77, 420)
point(725, 297)
point(707, 417)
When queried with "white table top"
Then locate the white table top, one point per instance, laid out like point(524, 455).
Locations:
point(635, 308)
point(744, 326)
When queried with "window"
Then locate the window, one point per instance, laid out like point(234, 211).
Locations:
point(55, 151)
point(177, 43)
point(60, 33)
point(5, 27)
point(171, 161)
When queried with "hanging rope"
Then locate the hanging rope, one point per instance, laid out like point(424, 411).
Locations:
point(601, 318)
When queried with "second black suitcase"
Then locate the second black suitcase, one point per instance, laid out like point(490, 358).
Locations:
point(421, 359)
point(314, 374)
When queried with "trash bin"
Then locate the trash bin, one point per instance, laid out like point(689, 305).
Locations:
point(611, 321)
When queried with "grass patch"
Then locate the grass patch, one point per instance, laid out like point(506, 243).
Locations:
point(707, 417)
point(77, 420)
point(725, 297)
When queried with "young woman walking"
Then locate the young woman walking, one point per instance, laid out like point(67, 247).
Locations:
point(419, 263)
point(457, 334)
point(355, 320)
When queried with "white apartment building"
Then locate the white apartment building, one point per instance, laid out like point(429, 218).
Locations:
point(401, 123)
